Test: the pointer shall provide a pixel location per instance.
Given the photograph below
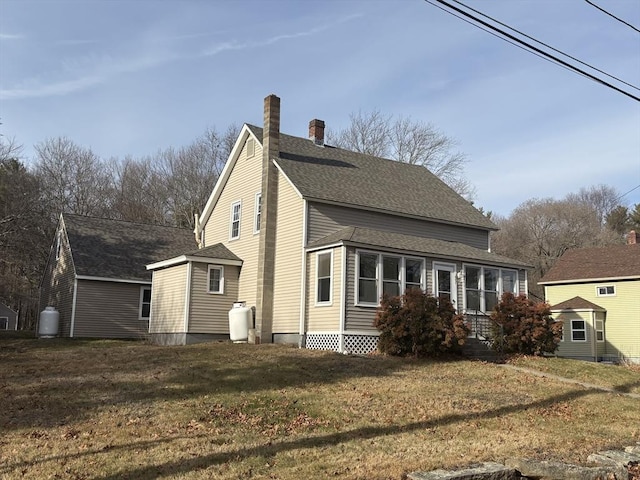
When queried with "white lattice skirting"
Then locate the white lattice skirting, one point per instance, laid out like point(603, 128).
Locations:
point(354, 344)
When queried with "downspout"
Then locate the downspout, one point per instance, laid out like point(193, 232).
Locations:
point(73, 307)
point(151, 304)
point(303, 281)
point(343, 298)
point(594, 345)
point(187, 301)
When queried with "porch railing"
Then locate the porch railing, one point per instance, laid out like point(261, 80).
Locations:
point(484, 329)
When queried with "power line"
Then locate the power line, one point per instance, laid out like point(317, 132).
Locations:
point(546, 45)
point(530, 48)
point(625, 194)
point(611, 15)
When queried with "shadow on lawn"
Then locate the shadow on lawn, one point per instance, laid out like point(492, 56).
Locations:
point(52, 386)
point(183, 466)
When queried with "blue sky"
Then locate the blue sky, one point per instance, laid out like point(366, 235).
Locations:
point(130, 77)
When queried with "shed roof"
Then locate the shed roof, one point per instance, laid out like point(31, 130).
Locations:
point(413, 244)
point(601, 263)
point(334, 175)
point(118, 249)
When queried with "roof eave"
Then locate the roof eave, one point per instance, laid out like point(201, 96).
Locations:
point(588, 280)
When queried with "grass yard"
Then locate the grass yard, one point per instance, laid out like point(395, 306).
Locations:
point(112, 410)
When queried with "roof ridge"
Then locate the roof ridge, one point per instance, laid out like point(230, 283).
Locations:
point(131, 222)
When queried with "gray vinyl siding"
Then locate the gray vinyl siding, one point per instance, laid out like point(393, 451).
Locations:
point(109, 310)
point(325, 219)
point(56, 289)
point(11, 316)
point(168, 298)
point(209, 313)
point(357, 318)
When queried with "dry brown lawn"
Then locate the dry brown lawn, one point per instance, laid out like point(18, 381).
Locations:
point(112, 410)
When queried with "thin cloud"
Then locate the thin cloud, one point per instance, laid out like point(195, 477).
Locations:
point(11, 36)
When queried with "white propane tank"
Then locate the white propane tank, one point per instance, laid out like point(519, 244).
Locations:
point(240, 320)
point(48, 324)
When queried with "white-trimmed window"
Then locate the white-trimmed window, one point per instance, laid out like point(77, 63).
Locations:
point(215, 279)
point(605, 290)
point(600, 330)
point(257, 214)
point(4, 323)
point(324, 274)
point(145, 303)
point(484, 286)
point(378, 274)
point(578, 331)
point(234, 230)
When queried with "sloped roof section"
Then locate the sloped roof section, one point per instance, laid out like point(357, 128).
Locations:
point(218, 251)
point(120, 250)
point(335, 175)
point(601, 263)
point(367, 237)
point(577, 303)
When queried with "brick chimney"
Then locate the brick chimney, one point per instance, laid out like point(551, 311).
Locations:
point(632, 238)
point(267, 249)
point(316, 132)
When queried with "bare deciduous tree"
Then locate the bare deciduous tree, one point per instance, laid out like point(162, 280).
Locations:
point(407, 141)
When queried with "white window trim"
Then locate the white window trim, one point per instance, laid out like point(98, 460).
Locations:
point(257, 212)
point(380, 280)
point(215, 267)
point(6, 319)
point(598, 294)
point(231, 221)
point(599, 330)
point(578, 330)
point(142, 290)
point(330, 301)
point(449, 267)
point(500, 292)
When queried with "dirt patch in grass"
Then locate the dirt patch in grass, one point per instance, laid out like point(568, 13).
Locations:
point(107, 410)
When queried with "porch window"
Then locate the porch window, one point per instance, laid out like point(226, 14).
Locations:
point(606, 290)
point(484, 286)
point(258, 213)
point(215, 280)
point(235, 220)
point(599, 330)
point(379, 274)
point(324, 264)
point(145, 303)
point(578, 331)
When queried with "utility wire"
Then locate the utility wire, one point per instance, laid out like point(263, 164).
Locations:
point(546, 45)
point(611, 15)
point(530, 48)
point(625, 194)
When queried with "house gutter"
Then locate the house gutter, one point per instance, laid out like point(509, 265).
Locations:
point(343, 298)
point(303, 279)
point(73, 307)
point(187, 300)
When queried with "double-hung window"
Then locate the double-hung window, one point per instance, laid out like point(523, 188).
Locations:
point(235, 220)
point(600, 330)
point(324, 269)
point(578, 331)
point(605, 290)
point(484, 286)
point(257, 213)
point(215, 279)
point(145, 303)
point(379, 274)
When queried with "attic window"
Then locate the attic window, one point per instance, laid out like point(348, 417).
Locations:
point(606, 290)
point(251, 148)
point(59, 244)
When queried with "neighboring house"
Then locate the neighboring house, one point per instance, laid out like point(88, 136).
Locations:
point(8, 318)
point(310, 236)
point(596, 293)
point(96, 277)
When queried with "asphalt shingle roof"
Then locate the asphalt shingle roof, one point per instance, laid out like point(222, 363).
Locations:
point(341, 176)
point(576, 303)
point(615, 261)
point(120, 250)
point(218, 251)
point(410, 243)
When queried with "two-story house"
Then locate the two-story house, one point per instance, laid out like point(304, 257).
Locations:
point(595, 292)
point(311, 236)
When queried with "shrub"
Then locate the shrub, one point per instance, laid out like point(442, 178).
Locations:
point(418, 324)
point(527, 327)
